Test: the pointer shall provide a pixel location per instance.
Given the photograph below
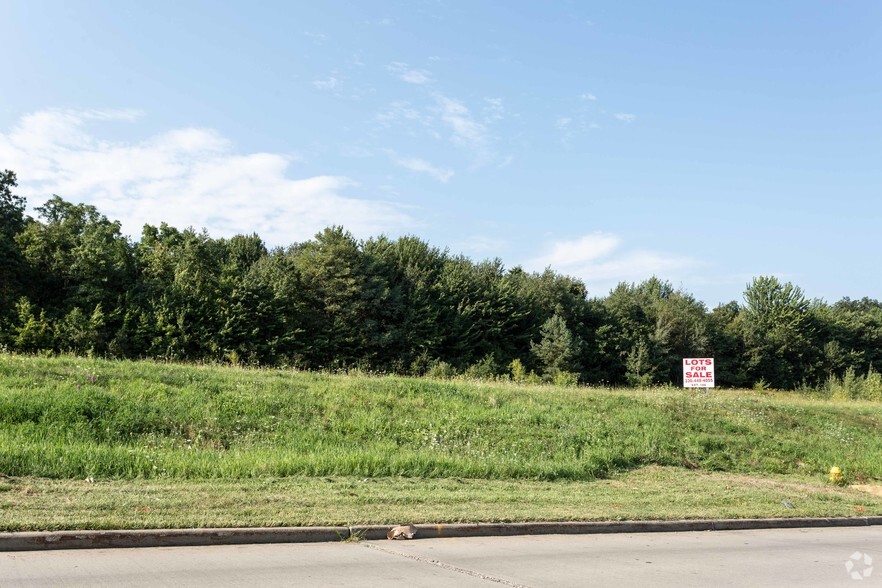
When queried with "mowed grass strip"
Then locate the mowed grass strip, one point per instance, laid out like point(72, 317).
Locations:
point(72, 418)
point(653, 492)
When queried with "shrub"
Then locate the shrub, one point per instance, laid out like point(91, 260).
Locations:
point(441, 370)
point(518, 371)
point(485, 369)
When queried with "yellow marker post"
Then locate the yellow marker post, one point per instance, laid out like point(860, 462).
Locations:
point(835, 474)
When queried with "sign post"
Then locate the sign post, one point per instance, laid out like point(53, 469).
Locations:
point(698, 372)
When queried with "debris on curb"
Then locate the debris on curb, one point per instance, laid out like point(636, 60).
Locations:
point(402, 532)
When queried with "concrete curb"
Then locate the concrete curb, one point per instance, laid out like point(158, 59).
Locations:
point(167, 537)
point(31, 541)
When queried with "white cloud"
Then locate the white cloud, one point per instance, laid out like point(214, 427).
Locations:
point(588, 96)
point(597, 259)
point(329, 83)
point(409, 74)
point(185, 177)
point(467, 131)
point(625, 117)
point(421, 166)
point(579, 251)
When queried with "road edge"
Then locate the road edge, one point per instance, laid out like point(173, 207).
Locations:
point(45, 540)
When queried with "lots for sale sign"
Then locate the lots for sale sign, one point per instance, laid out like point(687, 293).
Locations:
point(698, 372)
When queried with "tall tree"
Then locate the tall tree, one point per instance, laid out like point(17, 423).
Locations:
point(482, 312)
point(778, 333)
point(81, 257)
point(80, 260)
point(410, 323)
point(726, 341)
point(646, 329)
point(342, 299)
point(558, 350)
point(12, 265)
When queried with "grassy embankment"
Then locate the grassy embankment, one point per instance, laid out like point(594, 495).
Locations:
point(173, 445)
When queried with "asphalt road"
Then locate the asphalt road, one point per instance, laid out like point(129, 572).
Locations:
point(780, 557)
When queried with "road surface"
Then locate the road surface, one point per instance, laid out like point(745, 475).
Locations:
point(780, 557)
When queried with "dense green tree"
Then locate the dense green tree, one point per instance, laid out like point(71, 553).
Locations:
point(778, 333)
point(13, 269)
point(410, 314)
point(80, 257)
point(32, 331)
point(481, 311)
point(545, 294)
point(81, 333)
point(681, 330)
point(726, 339)
point(181, 292)
point(646, 329)
point(557, 351)
point(264, 321)
point(849, 334)
point(343, 301)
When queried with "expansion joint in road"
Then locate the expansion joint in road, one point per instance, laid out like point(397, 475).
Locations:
point(446, 566)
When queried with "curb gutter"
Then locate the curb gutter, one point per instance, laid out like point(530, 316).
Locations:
point(30, 541)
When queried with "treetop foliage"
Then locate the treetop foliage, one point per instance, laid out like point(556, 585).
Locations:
point(71, 282)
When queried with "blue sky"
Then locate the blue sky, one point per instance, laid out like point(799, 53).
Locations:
point(702, 142)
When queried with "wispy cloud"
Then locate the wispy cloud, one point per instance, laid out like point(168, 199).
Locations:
point(320, 37)
point(625, 117)
point(588, 97)
point(409, 74)
point(599, 260)
point(328, 83)
point(422, 166)
point(445, 117)
point(185, 177)
point(493, 110)
point(402, 112)
point(563, 123)
point(465, 129)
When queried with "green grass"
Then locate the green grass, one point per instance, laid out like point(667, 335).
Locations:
point(647, 493)
point(145, 420)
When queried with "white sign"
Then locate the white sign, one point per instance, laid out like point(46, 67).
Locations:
point(698, 372)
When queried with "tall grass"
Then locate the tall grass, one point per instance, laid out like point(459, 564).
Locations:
point(854, 386)
point(73, 418)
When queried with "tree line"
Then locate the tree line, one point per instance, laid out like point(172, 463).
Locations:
point(70, 281)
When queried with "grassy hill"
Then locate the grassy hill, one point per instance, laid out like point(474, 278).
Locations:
point(76, 418)
point(103, 444)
